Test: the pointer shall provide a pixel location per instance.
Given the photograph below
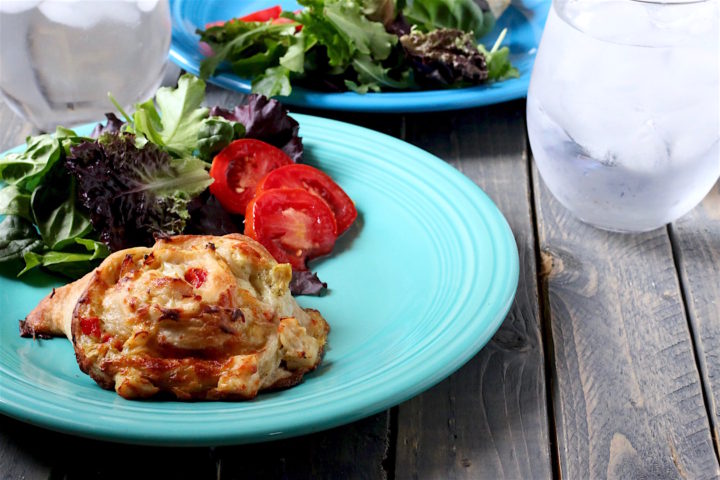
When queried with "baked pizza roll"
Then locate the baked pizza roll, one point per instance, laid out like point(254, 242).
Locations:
point(199, 317)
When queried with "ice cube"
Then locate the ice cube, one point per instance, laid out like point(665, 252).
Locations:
point(84, 14)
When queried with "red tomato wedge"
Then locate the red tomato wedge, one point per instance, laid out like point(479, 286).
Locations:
point(283, 20)
point(272, 13)
point(294, 225)
point(263, 15)
point(218, 23)
point(239, 167)
point(317, 183)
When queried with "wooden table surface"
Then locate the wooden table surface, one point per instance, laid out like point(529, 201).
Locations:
point(607, 366)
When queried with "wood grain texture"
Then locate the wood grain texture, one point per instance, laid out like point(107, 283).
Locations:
point(29, 452)
point(353, 451)
point(626, 389)
point(696, 241)
point(19, 455)
point(489, 419)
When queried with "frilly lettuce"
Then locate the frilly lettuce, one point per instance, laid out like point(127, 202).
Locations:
point(467, 15)
point(134, 194)
point(267, 120)
point(445, 57)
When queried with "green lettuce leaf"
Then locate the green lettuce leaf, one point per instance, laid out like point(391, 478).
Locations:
point(275, 81)
point(250, 47)
point(317, 30)
point(13, 201)
point(74, 264)
point(17, 237)
point(498, 60)
point(55, 213)
point(294, 58)
point(215, 134)
point(465, 15)
point(176, 122)
point(26, 170)
point(365, 36)
point(373, 76)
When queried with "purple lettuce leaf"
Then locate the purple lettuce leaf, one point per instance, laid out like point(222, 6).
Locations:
point(445, 57)
point(134, 194)
point(306, 283)
point(113, 125)
point(267, 120)
point(207, 217)
point(399, 26)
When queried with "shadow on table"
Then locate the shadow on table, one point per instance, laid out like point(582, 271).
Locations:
point(352, 451)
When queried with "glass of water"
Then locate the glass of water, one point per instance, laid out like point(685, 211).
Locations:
point(623, 110)
point(60, 58)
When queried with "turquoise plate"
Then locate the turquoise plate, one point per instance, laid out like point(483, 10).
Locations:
point(524, 20)
point(416, 287)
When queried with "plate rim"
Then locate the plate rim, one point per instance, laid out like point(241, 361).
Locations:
point(34, 410)
point(385, 102)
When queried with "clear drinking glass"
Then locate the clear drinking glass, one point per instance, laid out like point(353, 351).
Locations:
point(623, 109)
point(59, 59)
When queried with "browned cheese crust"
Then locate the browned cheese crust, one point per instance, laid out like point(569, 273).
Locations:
point(199, 317)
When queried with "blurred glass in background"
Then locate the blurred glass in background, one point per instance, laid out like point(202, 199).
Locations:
point(59, 59)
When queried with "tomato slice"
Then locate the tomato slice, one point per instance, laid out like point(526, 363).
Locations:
point(218, 23)
point(239, 167)
point(263, 15)
point(90, 326)
point(293, 224)
point(316, 182)
point(272, 13)
point(196, 277)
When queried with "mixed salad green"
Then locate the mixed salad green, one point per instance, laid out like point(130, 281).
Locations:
point(360, 45)
point(69, 200)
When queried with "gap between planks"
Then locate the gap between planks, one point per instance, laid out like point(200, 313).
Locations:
point(545, 319)
point(700, 362)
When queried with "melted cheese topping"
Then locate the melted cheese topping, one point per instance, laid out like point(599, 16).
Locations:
point(196, 316)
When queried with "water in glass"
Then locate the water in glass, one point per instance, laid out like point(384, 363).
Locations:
point(624, 108)
point(59, 59)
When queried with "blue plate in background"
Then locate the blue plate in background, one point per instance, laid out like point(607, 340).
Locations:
point(417, 286)
point(524, 20)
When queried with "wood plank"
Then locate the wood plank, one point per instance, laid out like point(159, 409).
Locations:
point(20, 456)
point(31, 452)
point(696, 242)
point(626, 390)
point(489, 419)
point(352, 451)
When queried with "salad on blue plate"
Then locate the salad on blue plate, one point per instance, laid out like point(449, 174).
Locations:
point(361, 46)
